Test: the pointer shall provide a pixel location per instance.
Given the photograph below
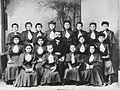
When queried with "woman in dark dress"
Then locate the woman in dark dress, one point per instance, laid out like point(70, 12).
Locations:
point(27, 35)
point(14, 51)
point(93, 71)
point(67, 34)
point(73, 61)
point(40, 50)
point(104, 50)
point(27, 76)
point(51, 75)
point(38, 32)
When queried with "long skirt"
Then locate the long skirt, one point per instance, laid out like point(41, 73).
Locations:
point(11, 71)
point(40, 71)
point(26, 79)
point(108, 68)
point(92, 76)
point(50, 77)
point(72, 74)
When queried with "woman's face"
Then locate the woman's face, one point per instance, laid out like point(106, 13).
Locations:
point(81, 39)
point(92, 27)
point(28, 49)
point(15, 28)
point(101, 39)
point(28, 27)
point(38, 28)
point(72, 48)
point(51, 26)
point(16, 40)
point(79, 26)
point(50, 48)
point(66, 25)
point(92, 49)
point(40, 42)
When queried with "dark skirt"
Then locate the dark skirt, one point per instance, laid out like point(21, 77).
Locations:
point(92, 76)
point(40, 71)
point(50, 77)
point(108, 68)
point(11, 71)
point(72, 74)
point(26, 79)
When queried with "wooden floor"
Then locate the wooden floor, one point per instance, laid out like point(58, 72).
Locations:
point(114, 86)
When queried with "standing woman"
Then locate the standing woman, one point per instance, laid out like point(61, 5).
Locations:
point(92, 73)
point(38, 32)
point(14, 32)
point(40, 50)
point(27, 76)
point(14, 51)
point(67, 34)
point(27, 36)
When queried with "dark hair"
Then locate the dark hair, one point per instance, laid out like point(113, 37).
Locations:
point(81, 36)
point(92, 45)
point(51, 22)
point(38, 24)
point(66, 21)
point(105, 22)
point(15, 36)
point(79, 23)
point(93, 23)
point(30, 46)
point(15, 24)
point(40, 37)
point(28, 23)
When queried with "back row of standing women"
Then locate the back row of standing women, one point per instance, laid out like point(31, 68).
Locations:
point(56, 56)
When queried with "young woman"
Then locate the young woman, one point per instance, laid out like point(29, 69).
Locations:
point(38, 32)
point(93, 71)
point(27, 76)
point(67, 34)
point(27, 35)
point(73, 61)
point(51, 75)
point(93, 33)
point(50, 34)
point(14, 51)
point(79, 32)
point(14, 32)
point(104, 50)
point(40, 50)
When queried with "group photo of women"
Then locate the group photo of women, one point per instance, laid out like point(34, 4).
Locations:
point(59, 57)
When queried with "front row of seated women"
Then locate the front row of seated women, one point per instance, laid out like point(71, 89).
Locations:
point(40, 64)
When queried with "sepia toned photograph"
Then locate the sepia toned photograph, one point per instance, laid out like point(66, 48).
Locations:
point(59, 44)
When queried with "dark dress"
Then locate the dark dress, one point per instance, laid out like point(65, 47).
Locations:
point(93, 40)
point(37, 34)
point(108, 67)
point(47, 36)
point(72, 74)
point(68, 38)
point(93, 76)
point(26, 79)
point(39, 54)
point(11, 71)
point(77, 35)
point(109, 38)
point(49, 76)
point(27, 38)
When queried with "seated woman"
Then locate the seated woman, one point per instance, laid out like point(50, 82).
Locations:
point(105, 53)
point(51, 75)
point(92, 73)
point(14, 51)
point(40, 50)
point(28, 75)
point(72, 71)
